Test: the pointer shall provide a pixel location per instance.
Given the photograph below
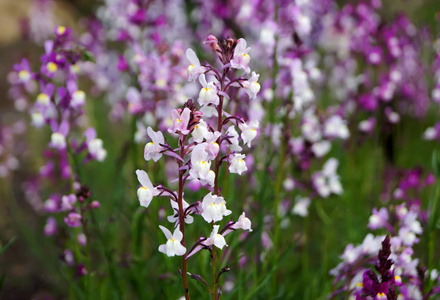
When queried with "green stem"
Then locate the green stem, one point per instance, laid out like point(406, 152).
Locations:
point(433, 221)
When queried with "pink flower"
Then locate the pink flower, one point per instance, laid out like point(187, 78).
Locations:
point(241, 57)
point(180, 121)
point(73, 219)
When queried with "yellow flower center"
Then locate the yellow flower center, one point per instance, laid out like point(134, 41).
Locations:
point(61, 29)
point(52, 67)
point(23, 75)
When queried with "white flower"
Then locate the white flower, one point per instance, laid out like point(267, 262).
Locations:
point(200, 163)
point(233, 138)
point(243, 223)
point(78, 98)
point(208, 179)
point(195, 69)
point(430, 134)
point(310, 127)
point(251, 86)
point(96, 150)
point(237, 164)
point(146, 192)
point(327, 181)
point(188, 219)
point(301, 206)
point(208, 94)
point(214, 208)
point(43, 99)
point(216, 239)
point(200, 131)
point(209, 111)
point(58, 141)
point(321, 148)
point(37, 119)
point(152, 149)
point(336, 127)
point(173, 246)
point(248, 132)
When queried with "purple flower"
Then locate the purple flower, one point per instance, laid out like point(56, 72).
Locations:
point(51, 227)
point(73, 219)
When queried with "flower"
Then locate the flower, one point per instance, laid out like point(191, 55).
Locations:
point(51, 226)
point(251, 86)
point(214, 208)
point(96, 150)
point(216, 239)
point(194, 69)
point(175, 218)
point(241, 57)
point(336, 127)
point(248, 132)
point(173, 246)
point(200, 163)
point(327, 181)
point(200, 131)
point(243, 223)
point(73, 219)
point(208, 94)
point(153, 149)
point(301, 206)
point(237, 164)
point(94, 145)
point(58, 140)
point(146, 192)
point(180, 121)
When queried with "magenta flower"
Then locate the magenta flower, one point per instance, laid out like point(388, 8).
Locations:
point(73, 219)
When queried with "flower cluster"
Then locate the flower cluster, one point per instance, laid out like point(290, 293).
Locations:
point(52, 97)
point(400, 272)
point(204, 144)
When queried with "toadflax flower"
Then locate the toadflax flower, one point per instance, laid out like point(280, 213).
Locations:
point(173, 246)
point(248, 132)
point(251, 86)
point(153, 149)
point(146, 192)
point(200, 163)
point(175, 218)
point(208, 94)
point(215, 239)
point(73, 219)
point(194, 69)
point(214, 208)
point(180, 121)
point(237, 164)
point(327, 181)
point(241, 57)
point(243, 223)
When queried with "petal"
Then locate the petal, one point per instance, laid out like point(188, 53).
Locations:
point(166, 232)
point(163, 249)
point(192, 57)
point(144, 179)
point(202, 80)
point(177, 235)
point(180, 250)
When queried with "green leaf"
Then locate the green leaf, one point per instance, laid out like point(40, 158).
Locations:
point(88, 56)
point(2, 250)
